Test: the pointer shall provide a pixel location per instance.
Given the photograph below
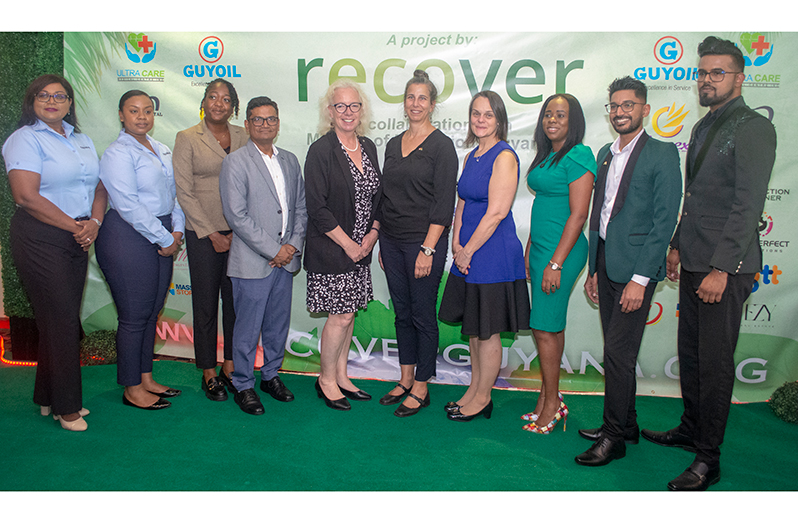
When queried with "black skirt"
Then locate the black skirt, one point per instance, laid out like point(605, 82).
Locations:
point(485, 309)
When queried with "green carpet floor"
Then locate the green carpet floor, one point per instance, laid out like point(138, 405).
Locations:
point(305, 446)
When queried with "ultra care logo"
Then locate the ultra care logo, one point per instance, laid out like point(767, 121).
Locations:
point(757, 49)
point(210, 49)
point(140, 50)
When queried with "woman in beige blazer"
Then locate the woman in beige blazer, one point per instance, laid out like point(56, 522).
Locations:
point(197, 159)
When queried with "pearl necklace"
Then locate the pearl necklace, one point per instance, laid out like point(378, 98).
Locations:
point(357, 145)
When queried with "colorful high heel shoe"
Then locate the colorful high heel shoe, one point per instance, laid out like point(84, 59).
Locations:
point(562, 414)
point(531, 416)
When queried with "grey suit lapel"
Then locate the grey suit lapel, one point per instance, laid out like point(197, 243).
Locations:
point(260, 165)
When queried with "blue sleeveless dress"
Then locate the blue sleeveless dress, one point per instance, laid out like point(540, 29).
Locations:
point(493, 296)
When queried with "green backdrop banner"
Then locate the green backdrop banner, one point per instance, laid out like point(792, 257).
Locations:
point(295, 69)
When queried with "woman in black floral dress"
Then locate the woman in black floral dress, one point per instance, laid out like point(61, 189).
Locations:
point(343, 190)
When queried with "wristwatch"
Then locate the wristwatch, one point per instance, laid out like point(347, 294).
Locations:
point(554, 266)
point(427, 250)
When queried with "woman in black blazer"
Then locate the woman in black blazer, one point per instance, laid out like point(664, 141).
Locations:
point(343, 189)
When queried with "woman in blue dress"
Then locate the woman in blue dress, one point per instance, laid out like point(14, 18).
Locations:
point(486, 288)
point(562, 176)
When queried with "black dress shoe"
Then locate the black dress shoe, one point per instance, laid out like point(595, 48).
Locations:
point(168, 393)
point(670, 438)
point(403, 412)
point(357, 395)
point(698, 476)
point(389, 399)
point(227, 381)
point(458, 416)
point(451, 406)
point(249, 402)
point(602, 452)
point(277, 389)
point(630, 437)
point(214, 389)
point(158, 405)
point(339, 404)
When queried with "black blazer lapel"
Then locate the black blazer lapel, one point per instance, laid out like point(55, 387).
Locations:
point(344, 165)
point(598, 193)
point(626, 179)
point(699, 159)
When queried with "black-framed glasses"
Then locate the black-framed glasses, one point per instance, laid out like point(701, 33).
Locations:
point(715, 75)
point(258, 121)
point(44, 97)
point(354, 107)
point(626, 107)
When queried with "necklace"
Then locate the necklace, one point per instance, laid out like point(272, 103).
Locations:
point(357, 144)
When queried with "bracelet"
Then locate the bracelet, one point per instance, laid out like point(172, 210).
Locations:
point(98, 222)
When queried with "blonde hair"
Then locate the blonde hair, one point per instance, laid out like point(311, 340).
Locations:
point(325, 122)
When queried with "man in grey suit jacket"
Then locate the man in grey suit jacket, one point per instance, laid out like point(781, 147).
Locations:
point(263, 198)
point(729, 161)
point(635, 207)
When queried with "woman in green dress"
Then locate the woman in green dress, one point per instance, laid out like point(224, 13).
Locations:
point(562, 176)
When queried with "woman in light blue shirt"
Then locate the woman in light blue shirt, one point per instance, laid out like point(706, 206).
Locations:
point(53, 173)
point(142, 231)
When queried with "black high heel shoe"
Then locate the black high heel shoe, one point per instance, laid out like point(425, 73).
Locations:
point(451, 406)
point(340, 404)
point(357, 395)
point(458, 416)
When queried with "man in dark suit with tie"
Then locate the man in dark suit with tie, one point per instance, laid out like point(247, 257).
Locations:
point(729, 161)
point(635, 208)
point(263, 199)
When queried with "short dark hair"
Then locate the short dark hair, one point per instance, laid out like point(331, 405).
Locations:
point(499, 111)
point(127, 96)
point(713, 45)
point(576, 131)
point(260, 101)
point(230, 89)
point(627, 83)
point(29, 117)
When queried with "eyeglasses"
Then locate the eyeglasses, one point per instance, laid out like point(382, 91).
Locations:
point(354, 107)
point(258, 121)
point(715, 75)
point(44, 96)
point(626, 107)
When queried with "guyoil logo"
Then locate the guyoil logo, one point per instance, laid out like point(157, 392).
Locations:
point(667, 121)
point(139, 48)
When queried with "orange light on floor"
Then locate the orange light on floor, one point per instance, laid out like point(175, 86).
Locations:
point(11, 362)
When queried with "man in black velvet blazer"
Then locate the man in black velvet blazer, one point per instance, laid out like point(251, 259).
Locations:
point(635, 207)
point(729, 161)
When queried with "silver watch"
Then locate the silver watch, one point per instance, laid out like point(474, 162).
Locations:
point(427, 250)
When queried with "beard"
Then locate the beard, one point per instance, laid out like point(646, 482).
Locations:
point(712, 97)
point(632, 126)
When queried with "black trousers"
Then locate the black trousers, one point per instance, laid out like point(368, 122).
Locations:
point(707, 339)
point(139, 280)
point(414, 302)
point(208, 272)
point(623, 332)
point(52, 268)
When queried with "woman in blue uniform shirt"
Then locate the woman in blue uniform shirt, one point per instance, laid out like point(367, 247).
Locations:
point(142, 230)
point(53, 173)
